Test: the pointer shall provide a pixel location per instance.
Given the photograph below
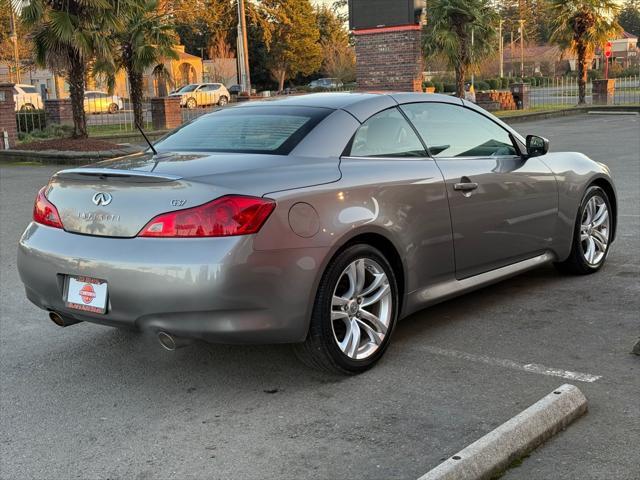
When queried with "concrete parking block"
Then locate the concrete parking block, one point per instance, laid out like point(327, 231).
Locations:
point(495, 451)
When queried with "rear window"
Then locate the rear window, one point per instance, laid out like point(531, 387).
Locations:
point(26, 89)
point(274, 130)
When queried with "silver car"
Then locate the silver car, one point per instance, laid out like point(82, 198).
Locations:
point(202, 95)
point(316, 220)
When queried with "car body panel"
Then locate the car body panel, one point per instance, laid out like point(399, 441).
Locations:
point(261, 287)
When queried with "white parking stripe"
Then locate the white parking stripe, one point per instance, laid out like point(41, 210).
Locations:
point(526, 367)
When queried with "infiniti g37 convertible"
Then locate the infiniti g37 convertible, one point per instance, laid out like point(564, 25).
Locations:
point(318, 220)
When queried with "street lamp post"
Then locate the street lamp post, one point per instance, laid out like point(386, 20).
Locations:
point(14, 39)
point(522, 48)
point(201, 62)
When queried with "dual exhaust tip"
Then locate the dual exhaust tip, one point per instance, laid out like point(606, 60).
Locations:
point(167, 341)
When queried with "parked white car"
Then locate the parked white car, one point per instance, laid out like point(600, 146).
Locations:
point(26, 97)
point(202, 94)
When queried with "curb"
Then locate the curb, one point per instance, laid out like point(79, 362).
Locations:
point(494, 452)
point(527, 117)
point(55, 157)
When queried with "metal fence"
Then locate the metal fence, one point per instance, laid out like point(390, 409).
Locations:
point(111, 114)
point(563, 91)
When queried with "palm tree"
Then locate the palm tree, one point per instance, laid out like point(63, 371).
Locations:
point(581, 26)
point(145, 39)
point(452, 23)
point(66, 36)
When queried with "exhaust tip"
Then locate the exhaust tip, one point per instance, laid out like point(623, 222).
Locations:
point(62, 321)
point(57, 319)
point(167, 341)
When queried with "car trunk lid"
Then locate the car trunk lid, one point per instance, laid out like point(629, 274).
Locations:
point(117, 198)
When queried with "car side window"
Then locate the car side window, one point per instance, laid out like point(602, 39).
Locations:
point(455, 131)
point(386, 134)
point(210, 88)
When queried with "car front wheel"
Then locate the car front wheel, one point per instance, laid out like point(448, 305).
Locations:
point(592, 234)
point(191, 103)
point(223, 101)
point(113, 108)
point(354, 313)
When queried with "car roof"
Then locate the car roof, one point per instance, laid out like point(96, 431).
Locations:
point(359, 104)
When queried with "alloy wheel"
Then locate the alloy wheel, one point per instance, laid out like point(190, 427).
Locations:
point(361, 309)
point(594, 230)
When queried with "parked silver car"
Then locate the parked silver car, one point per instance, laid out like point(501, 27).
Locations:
point(202, 94)
point(318, 220)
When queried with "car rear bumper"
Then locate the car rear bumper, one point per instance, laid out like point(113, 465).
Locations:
point(214, 289)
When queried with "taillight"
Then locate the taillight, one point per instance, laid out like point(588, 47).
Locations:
point(223, 217)
point(45, 212)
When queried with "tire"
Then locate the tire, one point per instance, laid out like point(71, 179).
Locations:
point(341, 334)
point(113, 108)
point(191, 103)
point(591, 228)
point(223, 101)
point(27, 107)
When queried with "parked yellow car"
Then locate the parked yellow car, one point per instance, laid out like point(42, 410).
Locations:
point(101, 102)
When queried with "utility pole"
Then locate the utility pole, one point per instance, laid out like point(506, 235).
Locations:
point(522, 48)
point(501, 48)
point(14, 39)
point(513, 54)
point(243, 53)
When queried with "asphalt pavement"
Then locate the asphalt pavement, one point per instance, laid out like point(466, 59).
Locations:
point(94, 402)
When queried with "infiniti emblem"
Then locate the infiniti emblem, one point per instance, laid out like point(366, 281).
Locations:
point(102, 199)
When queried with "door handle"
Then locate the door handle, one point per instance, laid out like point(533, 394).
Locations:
point(465, 187)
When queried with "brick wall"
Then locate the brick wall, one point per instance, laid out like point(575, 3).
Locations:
point(58, 111)
point(389, 59)
point(166, 113)
point(7, 116)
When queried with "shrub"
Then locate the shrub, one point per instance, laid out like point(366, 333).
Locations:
point(29, 120)
point(481, 86)
point(50, 131)
point(505, 82)
point(494, 83)
point(439, 86)
point(449, 87)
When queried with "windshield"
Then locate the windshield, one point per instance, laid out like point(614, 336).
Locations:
point(258, 129)
point(188, 88)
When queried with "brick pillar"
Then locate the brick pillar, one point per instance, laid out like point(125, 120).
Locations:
point(58, 111)
point(7, 117)
point(389, 58)
point(603, 91)
point(165, 113)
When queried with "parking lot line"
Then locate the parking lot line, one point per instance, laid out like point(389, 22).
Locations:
point(501, 362)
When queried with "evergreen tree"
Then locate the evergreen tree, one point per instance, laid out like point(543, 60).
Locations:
point(291, 37)
point(629, 17)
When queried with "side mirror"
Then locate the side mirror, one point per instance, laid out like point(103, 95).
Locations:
point(537, 146)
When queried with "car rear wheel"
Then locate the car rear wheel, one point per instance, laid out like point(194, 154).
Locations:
point(354, 313)
point(113, 108)
point(191, 103)
point(27, 107)
point(223, 101)
point(592, 234)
